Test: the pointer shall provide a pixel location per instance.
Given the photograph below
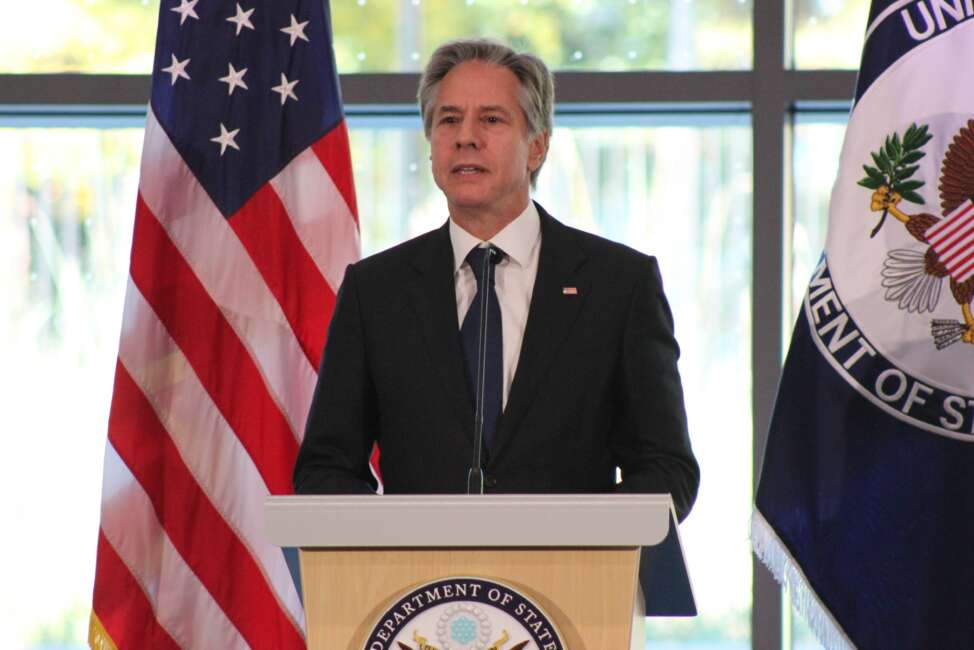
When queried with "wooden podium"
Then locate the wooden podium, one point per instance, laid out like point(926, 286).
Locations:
point(585, 561)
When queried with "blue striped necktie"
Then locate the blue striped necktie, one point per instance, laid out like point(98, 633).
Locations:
point(482, 339)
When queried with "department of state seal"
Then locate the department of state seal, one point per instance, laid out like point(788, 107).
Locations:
point(463, 613)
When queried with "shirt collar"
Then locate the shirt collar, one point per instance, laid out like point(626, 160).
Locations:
point(517, 239)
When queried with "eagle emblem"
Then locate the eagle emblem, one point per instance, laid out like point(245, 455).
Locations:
point(424, 643)
point(913, 278)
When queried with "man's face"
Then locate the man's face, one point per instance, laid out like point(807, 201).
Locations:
point(481, 152)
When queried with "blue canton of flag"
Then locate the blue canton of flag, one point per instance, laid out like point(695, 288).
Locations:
point(864, 505)
point(259, 83)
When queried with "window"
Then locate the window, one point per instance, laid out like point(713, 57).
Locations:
point(78, 36)
point(567, 34)
point(829, 33)
point(67, 198)
point(685, 168)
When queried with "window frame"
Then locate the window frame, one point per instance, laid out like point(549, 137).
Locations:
point(772, 93)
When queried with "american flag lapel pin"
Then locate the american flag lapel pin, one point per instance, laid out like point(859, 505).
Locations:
point(569, 291)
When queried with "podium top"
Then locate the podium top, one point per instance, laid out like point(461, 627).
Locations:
point(554, 520)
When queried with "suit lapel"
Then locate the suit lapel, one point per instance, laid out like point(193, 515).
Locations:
point(433, 295)
point(550, 318)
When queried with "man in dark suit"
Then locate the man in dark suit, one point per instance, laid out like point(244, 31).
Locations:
point(577, 370)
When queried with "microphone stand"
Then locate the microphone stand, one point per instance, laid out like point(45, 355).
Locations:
point(475, 476)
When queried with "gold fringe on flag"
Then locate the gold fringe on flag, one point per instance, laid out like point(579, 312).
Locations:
point(98, 638)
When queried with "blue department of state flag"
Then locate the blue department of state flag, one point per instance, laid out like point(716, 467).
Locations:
point(865, 507)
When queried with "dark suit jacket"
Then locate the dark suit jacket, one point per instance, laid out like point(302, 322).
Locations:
point(596, 385)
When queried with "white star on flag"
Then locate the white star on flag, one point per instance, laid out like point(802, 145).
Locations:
point(185, 9)
point(286, 89)
point(242, 19)
point(177, 69)
point(225, 139)
point(234, 79)
point(296, 30)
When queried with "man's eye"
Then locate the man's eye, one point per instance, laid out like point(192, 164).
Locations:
point(492, 119)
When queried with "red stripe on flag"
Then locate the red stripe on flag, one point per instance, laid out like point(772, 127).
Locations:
point(960, 267)
point(218, 558)
point(949, 226)
point(958, 223)
point(948, 254)
point(307, 300)
point(953, 245)
point(122, 607)
point(956, 241)
point(222, 363)
point(375, 461)
point(335, 155)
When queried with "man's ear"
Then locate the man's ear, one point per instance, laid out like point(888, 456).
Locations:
point(537, 150)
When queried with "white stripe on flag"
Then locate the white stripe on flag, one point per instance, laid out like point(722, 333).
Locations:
point(222, 264)
point(953, 250)
point(331, 238)
point(953, 240)
point(947, 226)
point(218, 462)
point(965, 271)
point(132, 528)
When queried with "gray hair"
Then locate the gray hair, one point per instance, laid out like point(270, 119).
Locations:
point(537, 95)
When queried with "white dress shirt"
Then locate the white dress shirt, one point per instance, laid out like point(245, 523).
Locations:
point(514, 279)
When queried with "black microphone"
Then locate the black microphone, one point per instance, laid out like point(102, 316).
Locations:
point(475, 476)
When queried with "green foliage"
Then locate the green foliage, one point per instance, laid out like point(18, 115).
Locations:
point(65, 629)
point(729, 628)
point(395, 35)
point(105, 36)
point(117, 36)
point(895, 163)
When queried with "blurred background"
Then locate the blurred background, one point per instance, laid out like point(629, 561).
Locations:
point(672, 171)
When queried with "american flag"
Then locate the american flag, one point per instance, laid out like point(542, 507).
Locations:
point(244, 224)
point(953, 240)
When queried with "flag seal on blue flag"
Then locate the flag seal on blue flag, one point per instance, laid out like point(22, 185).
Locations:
point(864, 504)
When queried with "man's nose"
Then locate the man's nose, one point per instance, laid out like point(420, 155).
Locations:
point(468, 135)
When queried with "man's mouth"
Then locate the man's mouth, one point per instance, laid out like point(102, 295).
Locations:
point(464, 170)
